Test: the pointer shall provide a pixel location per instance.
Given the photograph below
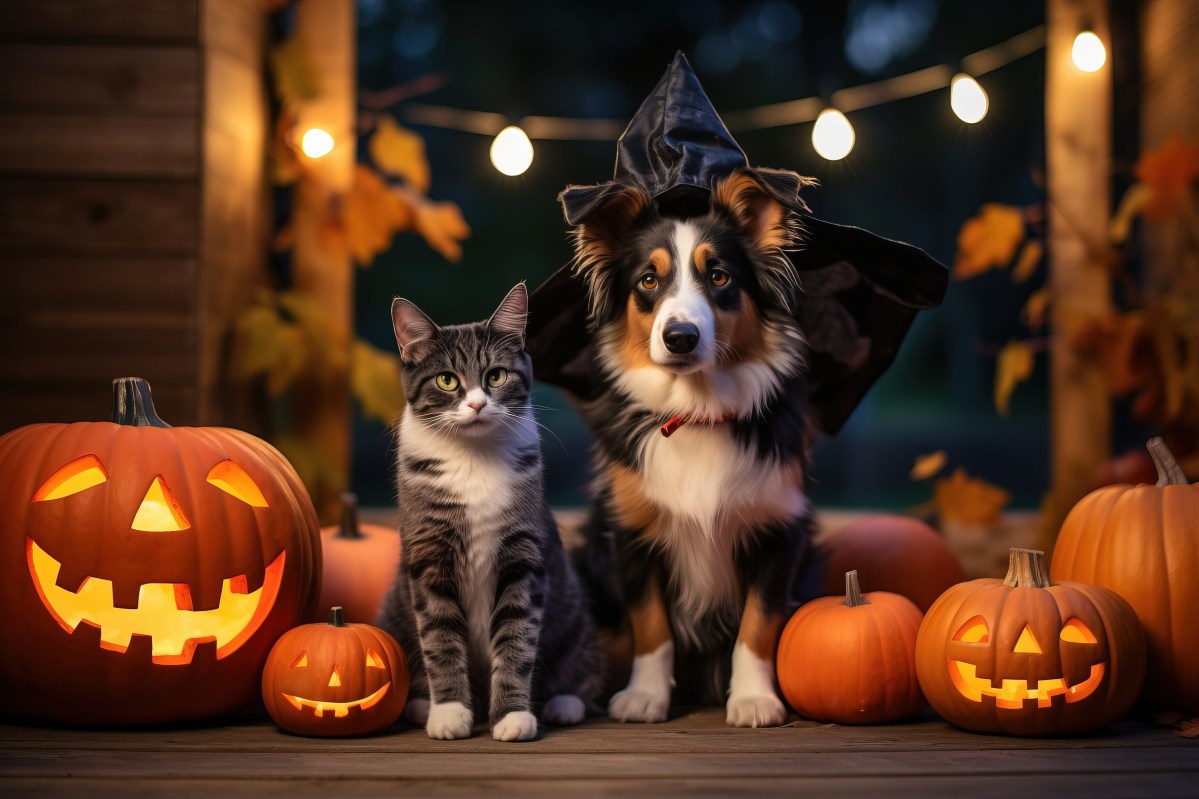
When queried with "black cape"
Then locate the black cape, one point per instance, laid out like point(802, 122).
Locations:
point(859, 292)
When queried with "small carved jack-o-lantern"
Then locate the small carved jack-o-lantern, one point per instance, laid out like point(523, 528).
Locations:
point(335, 679)
point(152, 566)
point(1027, 657)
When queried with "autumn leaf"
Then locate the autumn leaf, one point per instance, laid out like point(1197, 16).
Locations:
point(1026, 264)
point(1168, 718)
point(269, 345)
point(400, 152)
point(1013, 366)
point(967, 500)
point(443, 227)
point(928, 465)
point(315, 468)
point(295, 78)
point(324, 344)
point(371, 215)
point(1035, 308)
point(375, 381)
point(1168, 173)
point(290, 358)
point(1189, 728)
point(989, 240)
point(1132, 203)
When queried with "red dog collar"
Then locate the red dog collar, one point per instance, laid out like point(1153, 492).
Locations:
point(676, 422)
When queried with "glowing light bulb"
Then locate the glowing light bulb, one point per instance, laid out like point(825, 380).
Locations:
point(1088, 53)
point(512, 152)
point(316, 143)
point(967, 98)
point(832, 135)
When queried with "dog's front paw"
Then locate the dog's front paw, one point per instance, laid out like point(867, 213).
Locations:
point(564, 710)
point(757, 710)
point(416, 712)
point(449, 721)
point(518, 725)
point(633, 704)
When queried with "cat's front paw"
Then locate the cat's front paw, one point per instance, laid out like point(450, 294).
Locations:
point(449, 721)
point(756, 710)
point(564, 710)
point(518, 725)
point(416, 712)
point(634, 704)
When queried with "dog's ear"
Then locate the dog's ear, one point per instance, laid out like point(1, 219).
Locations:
point(413, 329)
point(602, 217)
point(510, 318)
point(764, 202)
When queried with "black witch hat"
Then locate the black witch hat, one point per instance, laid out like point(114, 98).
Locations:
point(859, 292)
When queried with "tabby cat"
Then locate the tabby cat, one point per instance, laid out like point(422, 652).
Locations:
point(485, 605)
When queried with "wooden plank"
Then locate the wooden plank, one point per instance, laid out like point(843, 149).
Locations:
point(127, 80)
point(24, 404)
point(116, 286)
point(85, 354)
point(58, 217)
point(98, 146)
point(1078, 157)
point(101, 19)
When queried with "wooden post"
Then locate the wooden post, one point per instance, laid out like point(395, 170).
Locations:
point(321, 411)
point(1078, 144)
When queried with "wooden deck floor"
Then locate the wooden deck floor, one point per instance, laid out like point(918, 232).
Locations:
point(692, 754)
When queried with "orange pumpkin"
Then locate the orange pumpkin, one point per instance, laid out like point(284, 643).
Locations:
point(892, 553)
point(1027, 657)
point(146, 569)
point(361, 561)
point(1143, 543)
point(851, 659)
point(335, 679)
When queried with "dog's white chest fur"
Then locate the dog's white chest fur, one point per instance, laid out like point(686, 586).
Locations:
point(710, 495)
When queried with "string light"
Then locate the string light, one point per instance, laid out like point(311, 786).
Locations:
point(967, 98)
point(832, 135)
point(1088, 52)
point(512, 152)
point(316, 143)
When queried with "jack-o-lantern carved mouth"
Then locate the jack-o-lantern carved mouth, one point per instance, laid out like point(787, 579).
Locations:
point(340, 709)
point(1012, 694)
point(163, 610)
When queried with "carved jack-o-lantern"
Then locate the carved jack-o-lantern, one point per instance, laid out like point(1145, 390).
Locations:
point(1027, 657)
point(335, 679)
point(146, 570)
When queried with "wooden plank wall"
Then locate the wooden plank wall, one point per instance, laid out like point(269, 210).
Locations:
point(114, 201)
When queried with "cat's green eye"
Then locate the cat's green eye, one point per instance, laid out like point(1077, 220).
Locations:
point(447, 381)
point(497, 377)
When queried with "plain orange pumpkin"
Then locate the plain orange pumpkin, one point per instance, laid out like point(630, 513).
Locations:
point(360, 564)
point(1142, 541)
point(892, 553)
point(851, 659)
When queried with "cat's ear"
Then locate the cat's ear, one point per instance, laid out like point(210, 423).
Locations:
point(412, 327)
point(510, 318)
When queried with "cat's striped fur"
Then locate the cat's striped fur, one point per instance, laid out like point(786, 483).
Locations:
point(486, 605)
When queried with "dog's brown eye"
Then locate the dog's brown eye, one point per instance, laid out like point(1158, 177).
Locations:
point(649, 282)
point(719, 278)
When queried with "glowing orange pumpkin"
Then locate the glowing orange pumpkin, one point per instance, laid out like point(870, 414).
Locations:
point(153, 566)
point(1027, 657)
point(335, 679)
point(361, 561)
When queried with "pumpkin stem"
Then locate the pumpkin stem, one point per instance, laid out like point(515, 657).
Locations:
point(336, 617)
point(132, 403)
point(853, 593)
point(1026, 569)
point(1169, 473)
point(349, 516)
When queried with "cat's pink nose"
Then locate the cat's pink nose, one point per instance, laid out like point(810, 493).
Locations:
point(476, 405)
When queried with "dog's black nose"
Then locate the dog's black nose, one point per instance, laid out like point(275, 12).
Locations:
point(680, 337)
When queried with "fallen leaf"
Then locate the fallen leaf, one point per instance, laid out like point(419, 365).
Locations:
point(443, 227)
point(1189, 728)
point(1035, 308)
point(989, 240)
point(968, 500)
point(1168, 173)
point(1132, 203)
point(1013, 366)
point(928, 465)
point(1026, 264)
point(400, 152)
point(375, 382)
point(295, 78)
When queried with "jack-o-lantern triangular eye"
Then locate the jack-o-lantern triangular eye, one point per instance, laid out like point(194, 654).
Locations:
point(373, 660)
point(160, 511)
point(301, 661)
point(78, 475)
point(1076, 632)
point(233, 480)
point(974, 631)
